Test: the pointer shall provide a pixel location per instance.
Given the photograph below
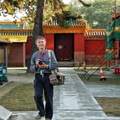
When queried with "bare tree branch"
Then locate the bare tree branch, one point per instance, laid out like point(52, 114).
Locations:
point(85, 4)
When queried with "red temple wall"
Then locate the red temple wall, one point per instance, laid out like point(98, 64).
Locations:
point(15, 56)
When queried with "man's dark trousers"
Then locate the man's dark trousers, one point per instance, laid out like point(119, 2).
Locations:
point(42, 83)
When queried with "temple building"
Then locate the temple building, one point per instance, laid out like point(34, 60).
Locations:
point(72, 45)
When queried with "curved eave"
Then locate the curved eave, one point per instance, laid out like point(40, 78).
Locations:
point(18, 32)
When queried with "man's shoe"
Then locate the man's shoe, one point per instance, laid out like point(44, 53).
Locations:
point(38, 117)
point(48, 119)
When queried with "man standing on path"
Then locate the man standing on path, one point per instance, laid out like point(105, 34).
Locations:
point(40, 64)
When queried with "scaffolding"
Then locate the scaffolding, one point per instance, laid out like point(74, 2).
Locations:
point(86, 72)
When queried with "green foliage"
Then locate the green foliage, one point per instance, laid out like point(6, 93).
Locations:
point(12, 7)
point(52, 7)
point(29, 7)
point(64, 18)
point(98, 15)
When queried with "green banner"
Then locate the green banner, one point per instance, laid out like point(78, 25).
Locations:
point(113, 33)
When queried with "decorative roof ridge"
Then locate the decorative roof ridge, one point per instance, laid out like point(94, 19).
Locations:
point(70, 22)
point(88, 33)
point(2, 22)
point(74, 25)
point(95, 33)
point(16, 32)
point(93, 30)
point(10, 30)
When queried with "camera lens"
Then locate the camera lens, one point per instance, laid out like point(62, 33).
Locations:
point(40, 63)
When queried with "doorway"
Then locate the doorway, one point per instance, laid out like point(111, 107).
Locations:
point(64, 47)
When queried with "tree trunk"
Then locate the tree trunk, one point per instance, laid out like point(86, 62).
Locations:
point(37, 30)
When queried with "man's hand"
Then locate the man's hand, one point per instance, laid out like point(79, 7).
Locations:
point(43, 65)
point(37, 63)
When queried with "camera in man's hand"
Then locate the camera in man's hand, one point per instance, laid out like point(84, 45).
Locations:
point(40, 62)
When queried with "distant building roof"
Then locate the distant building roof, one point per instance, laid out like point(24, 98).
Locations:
point(11, 25)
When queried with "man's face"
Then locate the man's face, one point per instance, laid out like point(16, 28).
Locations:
point(41, 44)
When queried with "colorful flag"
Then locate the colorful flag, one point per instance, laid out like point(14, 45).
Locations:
point(113, 33)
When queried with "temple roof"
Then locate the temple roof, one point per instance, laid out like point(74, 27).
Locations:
point(18, 32)
point(51, 28)
point(89, 34)
point(11, 25)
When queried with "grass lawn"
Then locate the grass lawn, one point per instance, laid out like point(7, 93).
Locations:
point(111, 106)
point(21, 98)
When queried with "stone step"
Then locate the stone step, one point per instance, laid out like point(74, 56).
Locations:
point(4, 113)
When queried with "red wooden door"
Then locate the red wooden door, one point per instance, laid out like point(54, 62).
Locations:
point(64, 47)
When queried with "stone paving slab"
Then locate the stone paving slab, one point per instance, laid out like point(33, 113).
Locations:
point(4, 113)
point(22, 117)
point(112, 91)
point(29, 115)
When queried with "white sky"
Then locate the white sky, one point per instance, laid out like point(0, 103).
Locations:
point(66, 1)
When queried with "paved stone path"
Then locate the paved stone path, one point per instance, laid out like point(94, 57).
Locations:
point(111, 91)
point(72, 101)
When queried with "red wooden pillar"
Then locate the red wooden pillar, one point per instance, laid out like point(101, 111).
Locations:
point(50, 41)
point(79, 47)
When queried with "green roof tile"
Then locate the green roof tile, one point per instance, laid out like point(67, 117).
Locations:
point(10, 26)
